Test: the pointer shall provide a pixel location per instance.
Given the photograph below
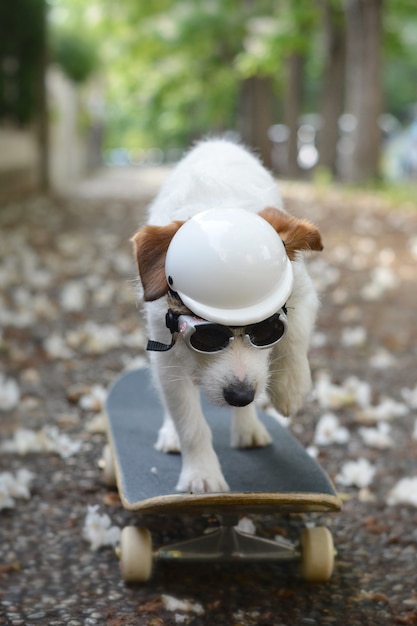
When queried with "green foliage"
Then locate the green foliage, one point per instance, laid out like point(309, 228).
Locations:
point(75, 54)
point(190, 59)
point(22, 49)
point(174, 68)
point(400, 51)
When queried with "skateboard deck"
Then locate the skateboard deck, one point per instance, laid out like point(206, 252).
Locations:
point(280, 477)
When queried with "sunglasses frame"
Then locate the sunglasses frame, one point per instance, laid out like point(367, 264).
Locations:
point(187, 325)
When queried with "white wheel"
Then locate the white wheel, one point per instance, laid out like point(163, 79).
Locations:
point(108, 468)
point(135, 554)
point(317, 554)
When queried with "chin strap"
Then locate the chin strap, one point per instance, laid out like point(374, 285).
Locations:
point(171, 321)
point(156, 346)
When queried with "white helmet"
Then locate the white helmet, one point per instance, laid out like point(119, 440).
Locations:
point(229, 266)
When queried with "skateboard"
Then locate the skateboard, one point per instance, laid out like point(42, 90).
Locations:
point(280, 478)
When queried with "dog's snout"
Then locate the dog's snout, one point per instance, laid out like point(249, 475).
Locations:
point(239, 393)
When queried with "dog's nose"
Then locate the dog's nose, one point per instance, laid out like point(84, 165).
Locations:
point(239, 393)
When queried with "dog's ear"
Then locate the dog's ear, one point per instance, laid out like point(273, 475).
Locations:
point(295, 233)
point(150, 247)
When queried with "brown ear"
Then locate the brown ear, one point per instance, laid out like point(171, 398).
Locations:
point(295, 233)
point(151, 245)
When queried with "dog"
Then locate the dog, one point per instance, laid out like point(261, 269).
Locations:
point(220, 185)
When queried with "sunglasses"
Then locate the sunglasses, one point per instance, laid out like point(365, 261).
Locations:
point(208, 337)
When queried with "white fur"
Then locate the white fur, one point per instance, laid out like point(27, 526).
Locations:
point(218, 173)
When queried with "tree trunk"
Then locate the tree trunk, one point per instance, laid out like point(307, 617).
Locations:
point(42, 121)
point(292, 109)
point(363, 86)
point(255, 115)
point(333, 92)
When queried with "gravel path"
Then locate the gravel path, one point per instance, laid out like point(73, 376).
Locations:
point(69, 325)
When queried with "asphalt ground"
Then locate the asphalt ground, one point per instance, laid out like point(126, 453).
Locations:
point(70, 324)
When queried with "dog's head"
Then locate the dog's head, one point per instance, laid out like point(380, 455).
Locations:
point(151, 245)
point(239, 374)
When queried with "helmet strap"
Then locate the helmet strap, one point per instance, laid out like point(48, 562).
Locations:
point(171, 321)
point(156, 346)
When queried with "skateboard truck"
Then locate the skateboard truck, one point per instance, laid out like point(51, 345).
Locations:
point(227, 543)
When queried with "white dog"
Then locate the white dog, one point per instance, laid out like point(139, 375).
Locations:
point(241, 304)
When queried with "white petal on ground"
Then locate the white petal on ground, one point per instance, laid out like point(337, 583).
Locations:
point(98, 530)
point(332, 396)
point(358, 473)
point(355, 336)
point(312, 451)
point(329, 431)
point(57, 348)
point(404, 492)
point(379, 437)
point(98, 424)
point(23, 442)
point(60, 442)
point(382, 359)
point(92, 338)
point(381, 280)
point(410, 396)
point(12, 487)
point(173, 604)
point(9, 393)
point(73, 296)
point(6, 501)
point(388, 409)
point(360, 389)
point(94, 400)
point(319, 340)
point(48, 439)
point(20, 486)
point(323, 274)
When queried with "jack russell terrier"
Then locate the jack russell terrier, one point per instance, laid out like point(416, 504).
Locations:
point(230, 306)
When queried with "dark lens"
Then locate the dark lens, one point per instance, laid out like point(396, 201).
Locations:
point(267, 332)
point(210, 337)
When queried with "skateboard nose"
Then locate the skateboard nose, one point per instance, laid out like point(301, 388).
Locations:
point(239, 393)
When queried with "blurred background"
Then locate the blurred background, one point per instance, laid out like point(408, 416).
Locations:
point(321, 89)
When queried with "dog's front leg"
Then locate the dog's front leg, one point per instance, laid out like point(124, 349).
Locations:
point(201, 470)
point(247, 430)
point(290, 380)
point(168, 440)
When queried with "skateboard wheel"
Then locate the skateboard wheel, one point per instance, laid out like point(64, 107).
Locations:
point(135, 554)
point(108, 468)
point(317, 554)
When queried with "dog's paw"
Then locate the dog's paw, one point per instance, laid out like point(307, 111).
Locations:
point(289, 404)
point(200, 481)
point(290, 384)
point(253, 435)
point(168, 440)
